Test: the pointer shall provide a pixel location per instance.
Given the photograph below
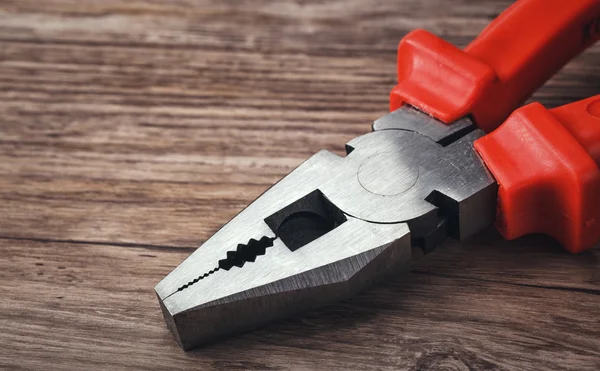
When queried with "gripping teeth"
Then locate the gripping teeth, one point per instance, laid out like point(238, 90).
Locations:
point(246, 253)
point(243, 254)
point(197, 279)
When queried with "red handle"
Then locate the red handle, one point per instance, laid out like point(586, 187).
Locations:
point(547, 165)
point(500, 69)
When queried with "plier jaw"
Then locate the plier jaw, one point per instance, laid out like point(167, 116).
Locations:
point(332, 227)
point(206, 297)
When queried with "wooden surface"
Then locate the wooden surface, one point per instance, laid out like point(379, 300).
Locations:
point(130, 130)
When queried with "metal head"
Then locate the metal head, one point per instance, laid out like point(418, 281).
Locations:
point(332, 227)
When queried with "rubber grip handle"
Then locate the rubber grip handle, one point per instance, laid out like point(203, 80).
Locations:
point(547, 163)
point(501, 68)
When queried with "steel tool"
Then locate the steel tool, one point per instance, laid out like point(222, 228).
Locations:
point(427, 171)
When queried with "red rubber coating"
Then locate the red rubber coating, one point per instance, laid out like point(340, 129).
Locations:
point(547, 165)
point(500, 69)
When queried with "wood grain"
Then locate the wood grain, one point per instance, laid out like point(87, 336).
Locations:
point(131, 130)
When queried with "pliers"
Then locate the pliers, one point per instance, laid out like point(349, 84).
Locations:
point(426, 172)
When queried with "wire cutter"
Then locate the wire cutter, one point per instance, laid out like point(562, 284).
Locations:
point(426, 172)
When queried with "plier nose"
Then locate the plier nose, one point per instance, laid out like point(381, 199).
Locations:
point(290, 250)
